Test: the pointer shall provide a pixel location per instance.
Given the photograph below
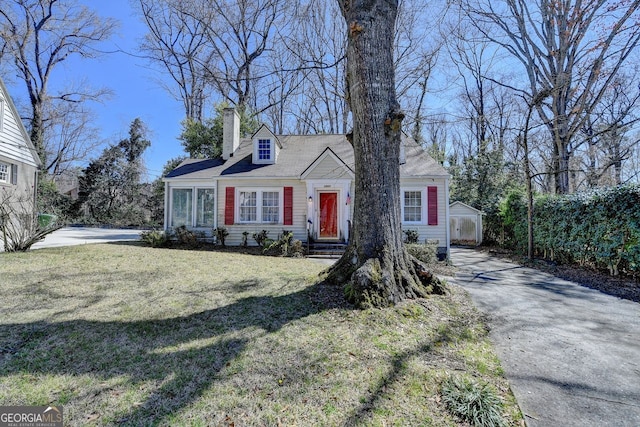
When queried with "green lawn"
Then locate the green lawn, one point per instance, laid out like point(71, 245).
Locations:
point(130, 335)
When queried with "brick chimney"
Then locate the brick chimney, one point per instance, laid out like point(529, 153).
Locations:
point(230, 132)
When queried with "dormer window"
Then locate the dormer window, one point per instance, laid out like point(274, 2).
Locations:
point(264, 149)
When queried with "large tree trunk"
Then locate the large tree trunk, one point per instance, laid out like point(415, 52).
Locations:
point(376, 268)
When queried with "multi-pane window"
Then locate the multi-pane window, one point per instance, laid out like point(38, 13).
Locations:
point(264, 149)
point(4, 172)
point(248, 206)
point(259, 206)
point(412, 206)
point(205, 208)
point(270, 206)
point(182, 207)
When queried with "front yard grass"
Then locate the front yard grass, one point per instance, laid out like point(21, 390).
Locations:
point(121, 334)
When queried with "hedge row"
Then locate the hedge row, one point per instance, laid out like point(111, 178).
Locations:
point(600, 228)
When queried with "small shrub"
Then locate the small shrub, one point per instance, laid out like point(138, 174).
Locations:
point(245, 239)
point(186, 237)
point(297, 249)
point(221, 234)
point(411, 236)
point(473, 402)
point(286, 244)
point(261, 237)
point(155, 238)
point(426, 253)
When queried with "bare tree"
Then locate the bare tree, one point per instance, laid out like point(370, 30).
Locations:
point(376, 267)
point(606, 133)
point(69, 135)
point(570, 49)
point(177, 41)
point(40, 34)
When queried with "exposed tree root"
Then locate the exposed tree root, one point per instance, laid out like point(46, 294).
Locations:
point(384, 281)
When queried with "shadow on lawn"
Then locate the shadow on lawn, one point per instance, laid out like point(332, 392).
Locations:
point(183, 355)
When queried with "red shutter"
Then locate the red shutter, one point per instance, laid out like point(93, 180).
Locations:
point(432, 205)
point(229, 205)
point(288, 205)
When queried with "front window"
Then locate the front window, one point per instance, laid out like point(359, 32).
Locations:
point(205, 209)
point(259, 206)
point(270, 206)
point(182, 207)
point(248, 206)
point(412, 206)
point(264, 149)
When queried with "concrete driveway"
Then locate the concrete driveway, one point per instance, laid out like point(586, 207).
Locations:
point(571, 354)
point(69, 236)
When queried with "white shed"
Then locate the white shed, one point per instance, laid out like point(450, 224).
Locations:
point(465, 224)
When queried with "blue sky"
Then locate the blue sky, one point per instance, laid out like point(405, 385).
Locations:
point(136, 88)
point(135, 85)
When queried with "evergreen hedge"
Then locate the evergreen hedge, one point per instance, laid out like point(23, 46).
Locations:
point(599, 228)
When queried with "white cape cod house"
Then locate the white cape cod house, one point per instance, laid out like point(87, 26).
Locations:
point(303, 184)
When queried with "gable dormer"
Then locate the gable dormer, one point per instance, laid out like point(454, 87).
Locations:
point(266, 147)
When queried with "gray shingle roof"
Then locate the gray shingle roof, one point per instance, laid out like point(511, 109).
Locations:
point(296, 154)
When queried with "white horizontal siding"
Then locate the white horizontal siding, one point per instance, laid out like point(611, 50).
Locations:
point(430, 232)
point(299, 227)
point(12, 139)
point(328, 168)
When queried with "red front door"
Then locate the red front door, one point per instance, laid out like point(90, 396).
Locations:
point(328, 215)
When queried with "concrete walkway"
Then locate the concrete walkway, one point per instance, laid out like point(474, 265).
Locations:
point(571, 354)
point(69, 236)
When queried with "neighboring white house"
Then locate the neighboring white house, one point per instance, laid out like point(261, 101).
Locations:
point(19, 161)
point(465, 223)
point(304, 184)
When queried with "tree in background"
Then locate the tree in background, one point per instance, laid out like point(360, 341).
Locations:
point(37, 36)
point(376, 268)
point(203, 140)
point(110, 188)
point(571, 50)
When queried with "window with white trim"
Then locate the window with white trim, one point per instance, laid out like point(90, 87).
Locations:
point(205, 207)
point(181, 207)
point(270, 206)
point(261, 206)
point(189, 210)
point(5, 172)
point(264, 149)
point(412, 206)
point(248, 202)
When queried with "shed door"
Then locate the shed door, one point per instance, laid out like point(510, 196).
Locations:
point(463, 228)
point(328, 215)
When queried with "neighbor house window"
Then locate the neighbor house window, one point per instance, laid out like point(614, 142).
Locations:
point(412, 206)
point(5, 170)
point(205, 208)
point(248, 206)
point(264, 149)
point(259, 206)
point(182, 207)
